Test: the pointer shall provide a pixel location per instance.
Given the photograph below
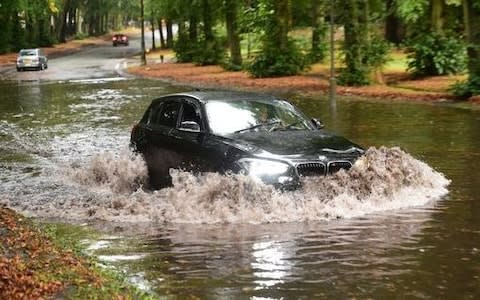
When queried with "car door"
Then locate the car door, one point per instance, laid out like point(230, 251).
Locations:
point(202, 151)
point(189, 135)
point(161, 152)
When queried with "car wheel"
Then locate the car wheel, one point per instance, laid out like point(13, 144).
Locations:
point(42, 67)
point(19, 69)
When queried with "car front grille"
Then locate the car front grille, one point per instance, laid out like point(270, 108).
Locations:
point(311, 169)
point(335, 166)
point(319, 168)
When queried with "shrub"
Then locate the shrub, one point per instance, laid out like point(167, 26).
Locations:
point(184, 49)
point(209, 52)
point(274, 62)
point(373, 56)
point(468, 88)
point(436, 54)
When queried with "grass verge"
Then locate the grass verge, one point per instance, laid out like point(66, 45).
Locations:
point(45, 261)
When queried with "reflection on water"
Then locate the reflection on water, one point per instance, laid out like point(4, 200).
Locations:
point(417, 249)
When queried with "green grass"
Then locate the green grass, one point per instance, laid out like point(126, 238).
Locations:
point(113, 284)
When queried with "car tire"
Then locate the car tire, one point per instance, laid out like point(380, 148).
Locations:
point(42, 67)
point(19, 69)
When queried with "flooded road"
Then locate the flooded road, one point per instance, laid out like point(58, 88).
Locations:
point(64, 155)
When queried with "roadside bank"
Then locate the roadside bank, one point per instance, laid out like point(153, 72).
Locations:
point(39, 261)
point(397, 85)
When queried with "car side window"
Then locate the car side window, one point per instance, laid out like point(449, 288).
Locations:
point(167, 114)
point(190, 113)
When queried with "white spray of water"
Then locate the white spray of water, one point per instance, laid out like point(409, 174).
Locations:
point(110, 188)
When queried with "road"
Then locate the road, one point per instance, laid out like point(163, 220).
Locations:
point(99, 61)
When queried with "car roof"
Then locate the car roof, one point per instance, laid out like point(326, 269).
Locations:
point(32, 49)
point(205, 96)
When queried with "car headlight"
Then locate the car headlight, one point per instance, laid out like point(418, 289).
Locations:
point(262, 168)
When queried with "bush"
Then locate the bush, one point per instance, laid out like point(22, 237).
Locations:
point(468, 88)
point(373, 56)
point(209, 52)
point(200, 52)
point(436, 54)
point(184, 49)
point(274, 62)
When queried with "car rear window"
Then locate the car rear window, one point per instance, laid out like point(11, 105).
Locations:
point(28, 52)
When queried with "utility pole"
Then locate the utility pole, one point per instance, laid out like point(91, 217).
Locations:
point(142, 21)
point(333, 84)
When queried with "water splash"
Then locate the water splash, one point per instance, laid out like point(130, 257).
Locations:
point(110, 187)
point(121, 173)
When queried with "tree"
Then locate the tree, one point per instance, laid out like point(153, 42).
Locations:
point(471, 9)
point(355, 18)
point(319, 30)
point(394, 27)
point(433, 49)
point(231, 12)
point(280, 56)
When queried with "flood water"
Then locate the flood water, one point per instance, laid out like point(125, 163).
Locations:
point(64, 156)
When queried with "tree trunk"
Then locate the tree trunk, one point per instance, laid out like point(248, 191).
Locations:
point(394, 31)
point(207, 22)
point(232, 32)
point(160, 30)
point(169, 26)
point(63, 22)
point(437, 18)
point(352, 37)
point(282, 22)
point(472, 21)
point(318, 30)
point(193, 28)
point(153, 32)
point(355, 18)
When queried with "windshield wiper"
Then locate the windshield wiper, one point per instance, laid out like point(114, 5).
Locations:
point(258, 125)
point(286, 127)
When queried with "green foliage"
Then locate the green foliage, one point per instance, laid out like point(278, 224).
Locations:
point(113, 284)
point(200, 52)
point(355, 77)
point(317, 51)
point(377, 52)
point(273, 62)
point(468, 88)
point(412, 10)
point(209, 52)
point(373, 56)
point(184, 49)
point(436, 54)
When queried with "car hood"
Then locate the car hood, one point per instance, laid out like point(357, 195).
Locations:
point(300, 144)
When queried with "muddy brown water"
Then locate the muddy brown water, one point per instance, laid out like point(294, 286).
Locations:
point(406, 227)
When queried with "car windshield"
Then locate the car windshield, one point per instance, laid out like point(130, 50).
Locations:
point(28, 52)
point(227, 117)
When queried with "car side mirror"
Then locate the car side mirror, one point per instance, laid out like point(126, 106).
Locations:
point(190, 126)
point(317, 123)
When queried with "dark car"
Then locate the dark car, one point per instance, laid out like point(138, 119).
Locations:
point(260, 135)
point(31, 59)
point(119, 39)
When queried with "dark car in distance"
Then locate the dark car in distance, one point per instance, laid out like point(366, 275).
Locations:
point(260, 135)
point(119, 39)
